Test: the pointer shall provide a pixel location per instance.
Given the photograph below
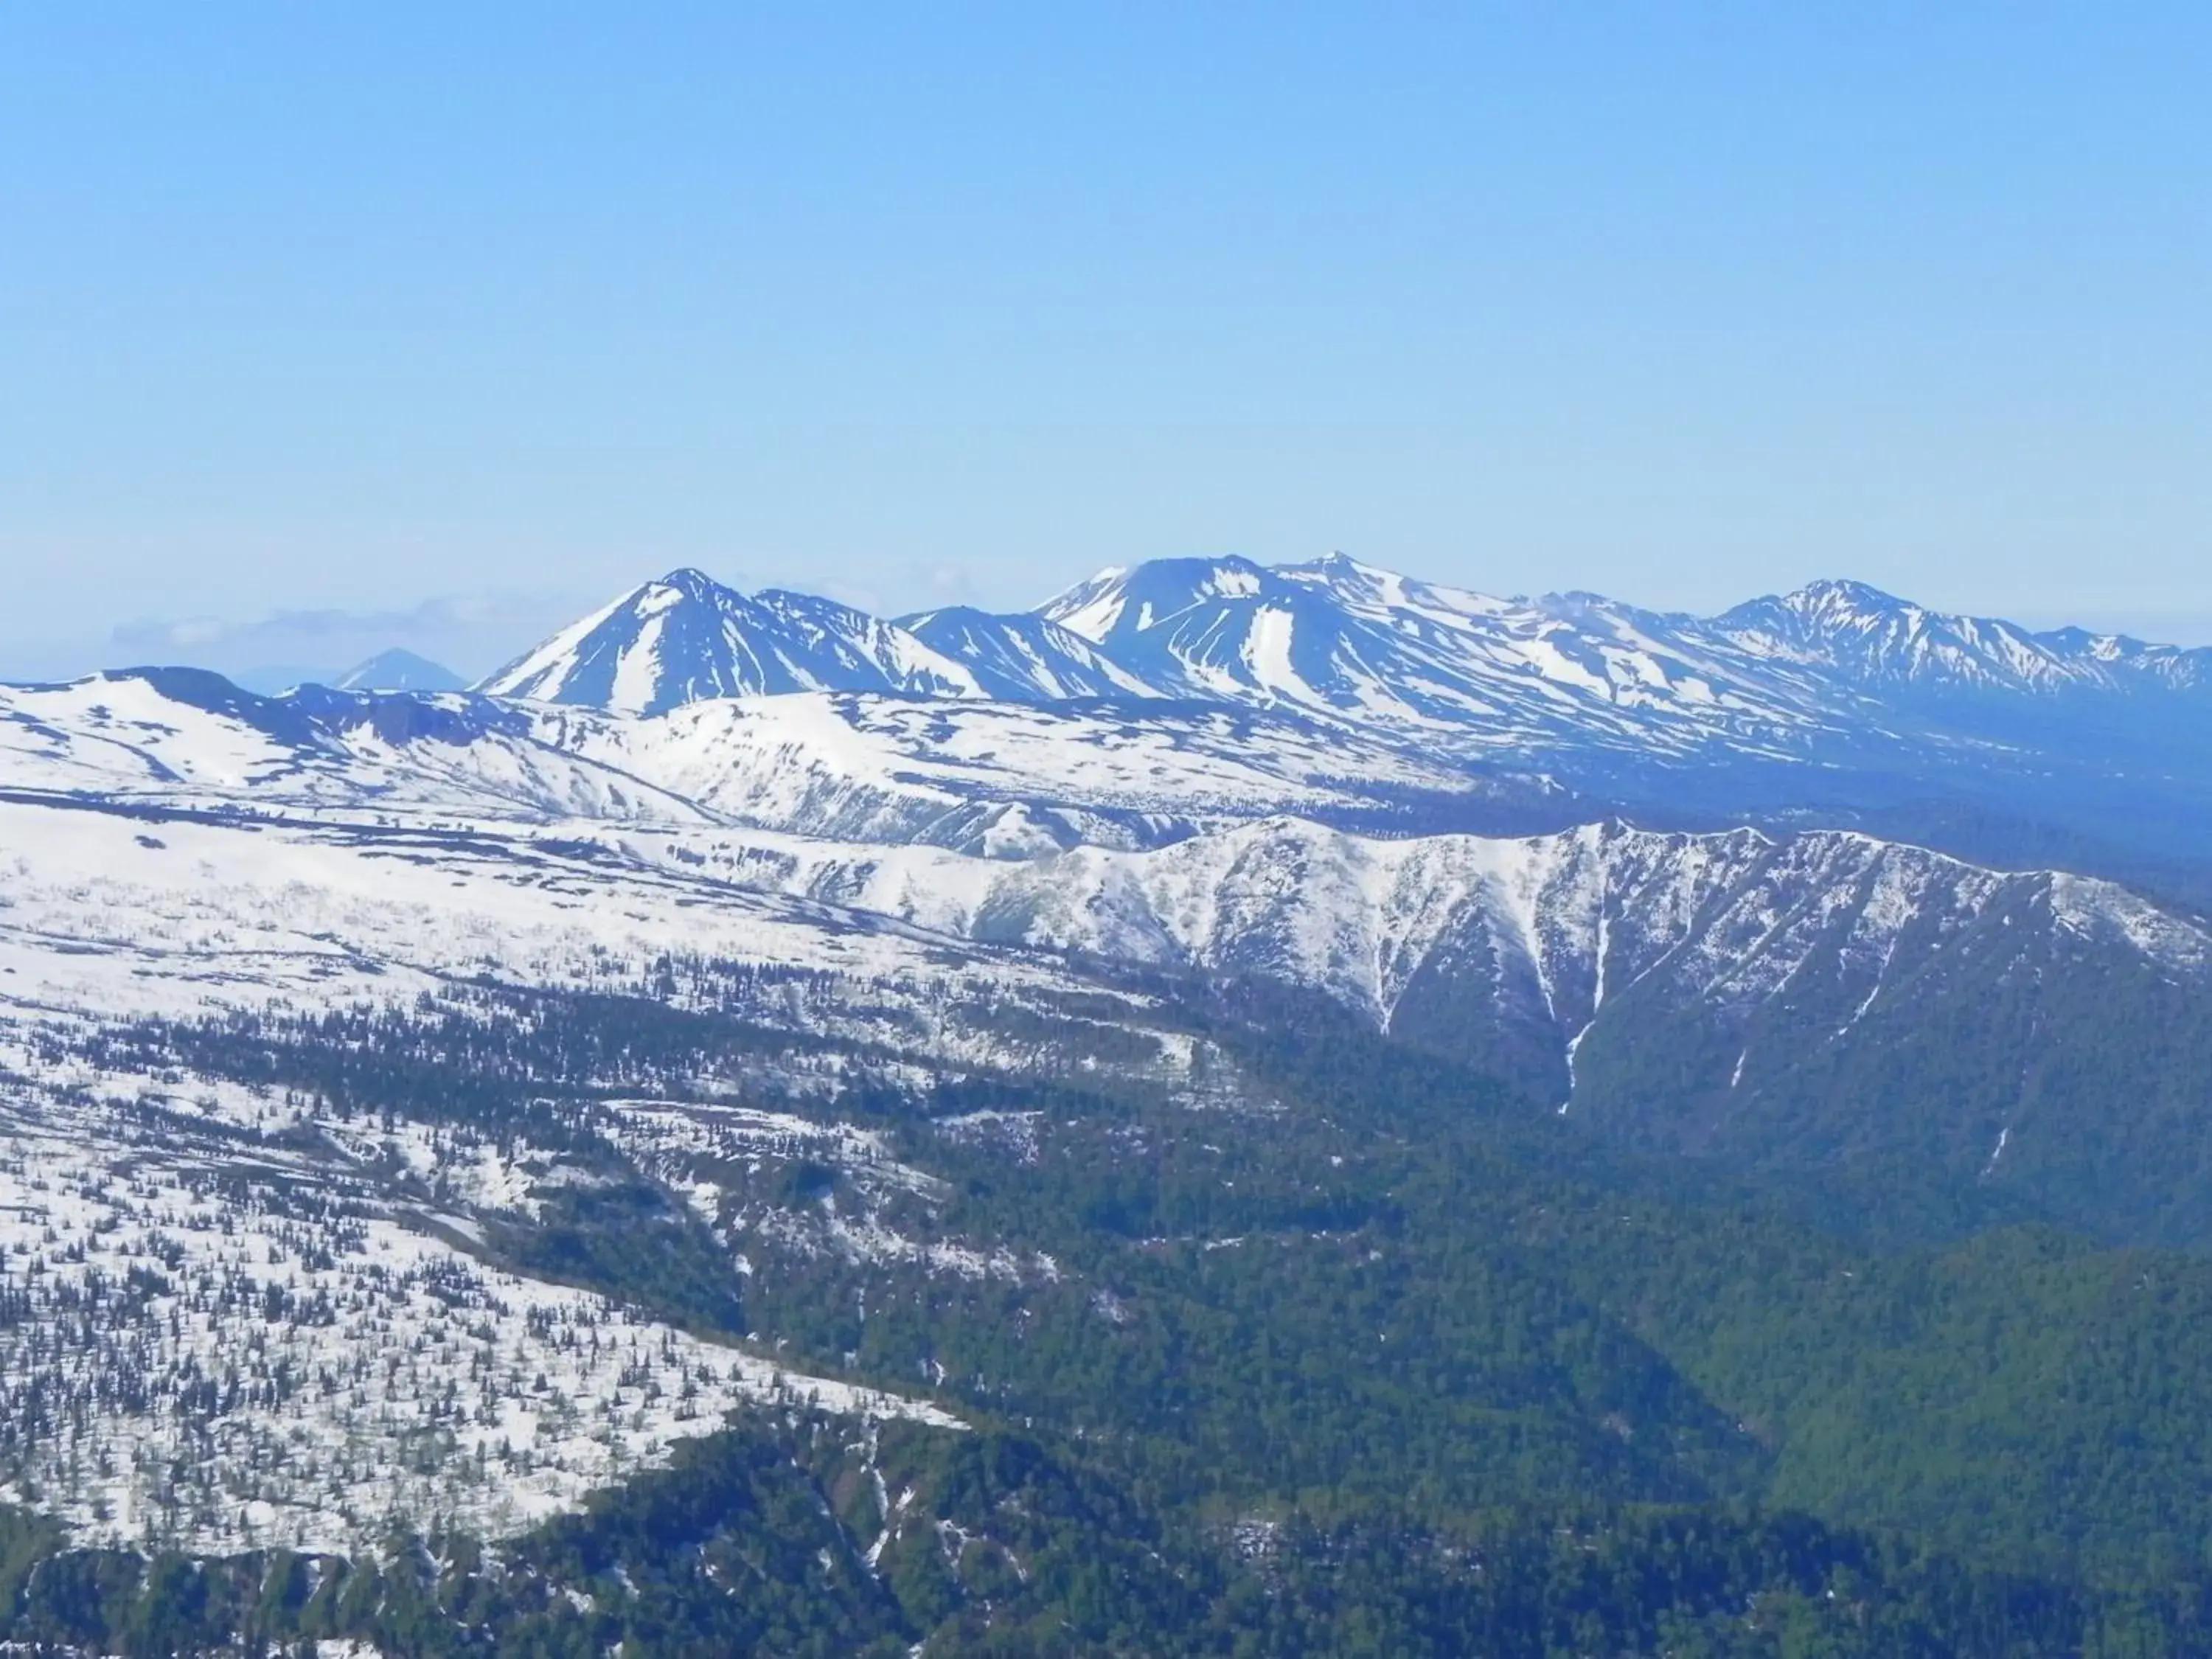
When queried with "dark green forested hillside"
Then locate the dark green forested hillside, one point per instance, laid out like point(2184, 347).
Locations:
point(1363, 1360)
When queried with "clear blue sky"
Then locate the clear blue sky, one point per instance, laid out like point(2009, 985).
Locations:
point(437, 322)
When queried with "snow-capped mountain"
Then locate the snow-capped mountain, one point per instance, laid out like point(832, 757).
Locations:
point(1231, 627)
point(1836, 701)
point(687, 637)
point(1346, 642)
point(1026, 659)
point(1835, 673)
point(1837, 698)
point(399, 671)
point(1868, 638)
point(1789, 673)
point(1343, 640)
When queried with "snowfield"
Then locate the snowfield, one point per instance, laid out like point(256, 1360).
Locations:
point(1000, 778)
point(110, 916)
point(235, 1350)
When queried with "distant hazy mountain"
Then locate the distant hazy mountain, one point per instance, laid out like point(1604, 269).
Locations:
point(399, 671)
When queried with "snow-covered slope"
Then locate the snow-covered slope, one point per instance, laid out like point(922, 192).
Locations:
point(169, 844)
point(1562, 920)
point(112, 914)
point(284, 1373)
point(1689, 978)
point(1868, 638)
point(183, 737)
point(1008, 779)
point(172, 842)
point(1025, 659)
point(1004, 777)
point(686, 636)
point(310, 1289)
point(1424, 662)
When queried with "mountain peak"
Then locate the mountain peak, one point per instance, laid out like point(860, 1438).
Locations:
point(1873, 639)
point(1336, 563)
point(1126, 600)
point(399, 671)
point(1829, 592)
point(1346, 578)
point(685, 637)
point(691, 581)
point(1337, 566)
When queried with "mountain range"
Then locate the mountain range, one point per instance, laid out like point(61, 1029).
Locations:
point(1335, 637)
point(1837, 698)
point(1202, 1076)
point(1483, 916)
point(1548, 840)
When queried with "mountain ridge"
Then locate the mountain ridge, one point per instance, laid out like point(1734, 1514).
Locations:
point(1837, 692)
point(684, 637)
point(1837, 698)
point(1230, 628)
point(1763, 964)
